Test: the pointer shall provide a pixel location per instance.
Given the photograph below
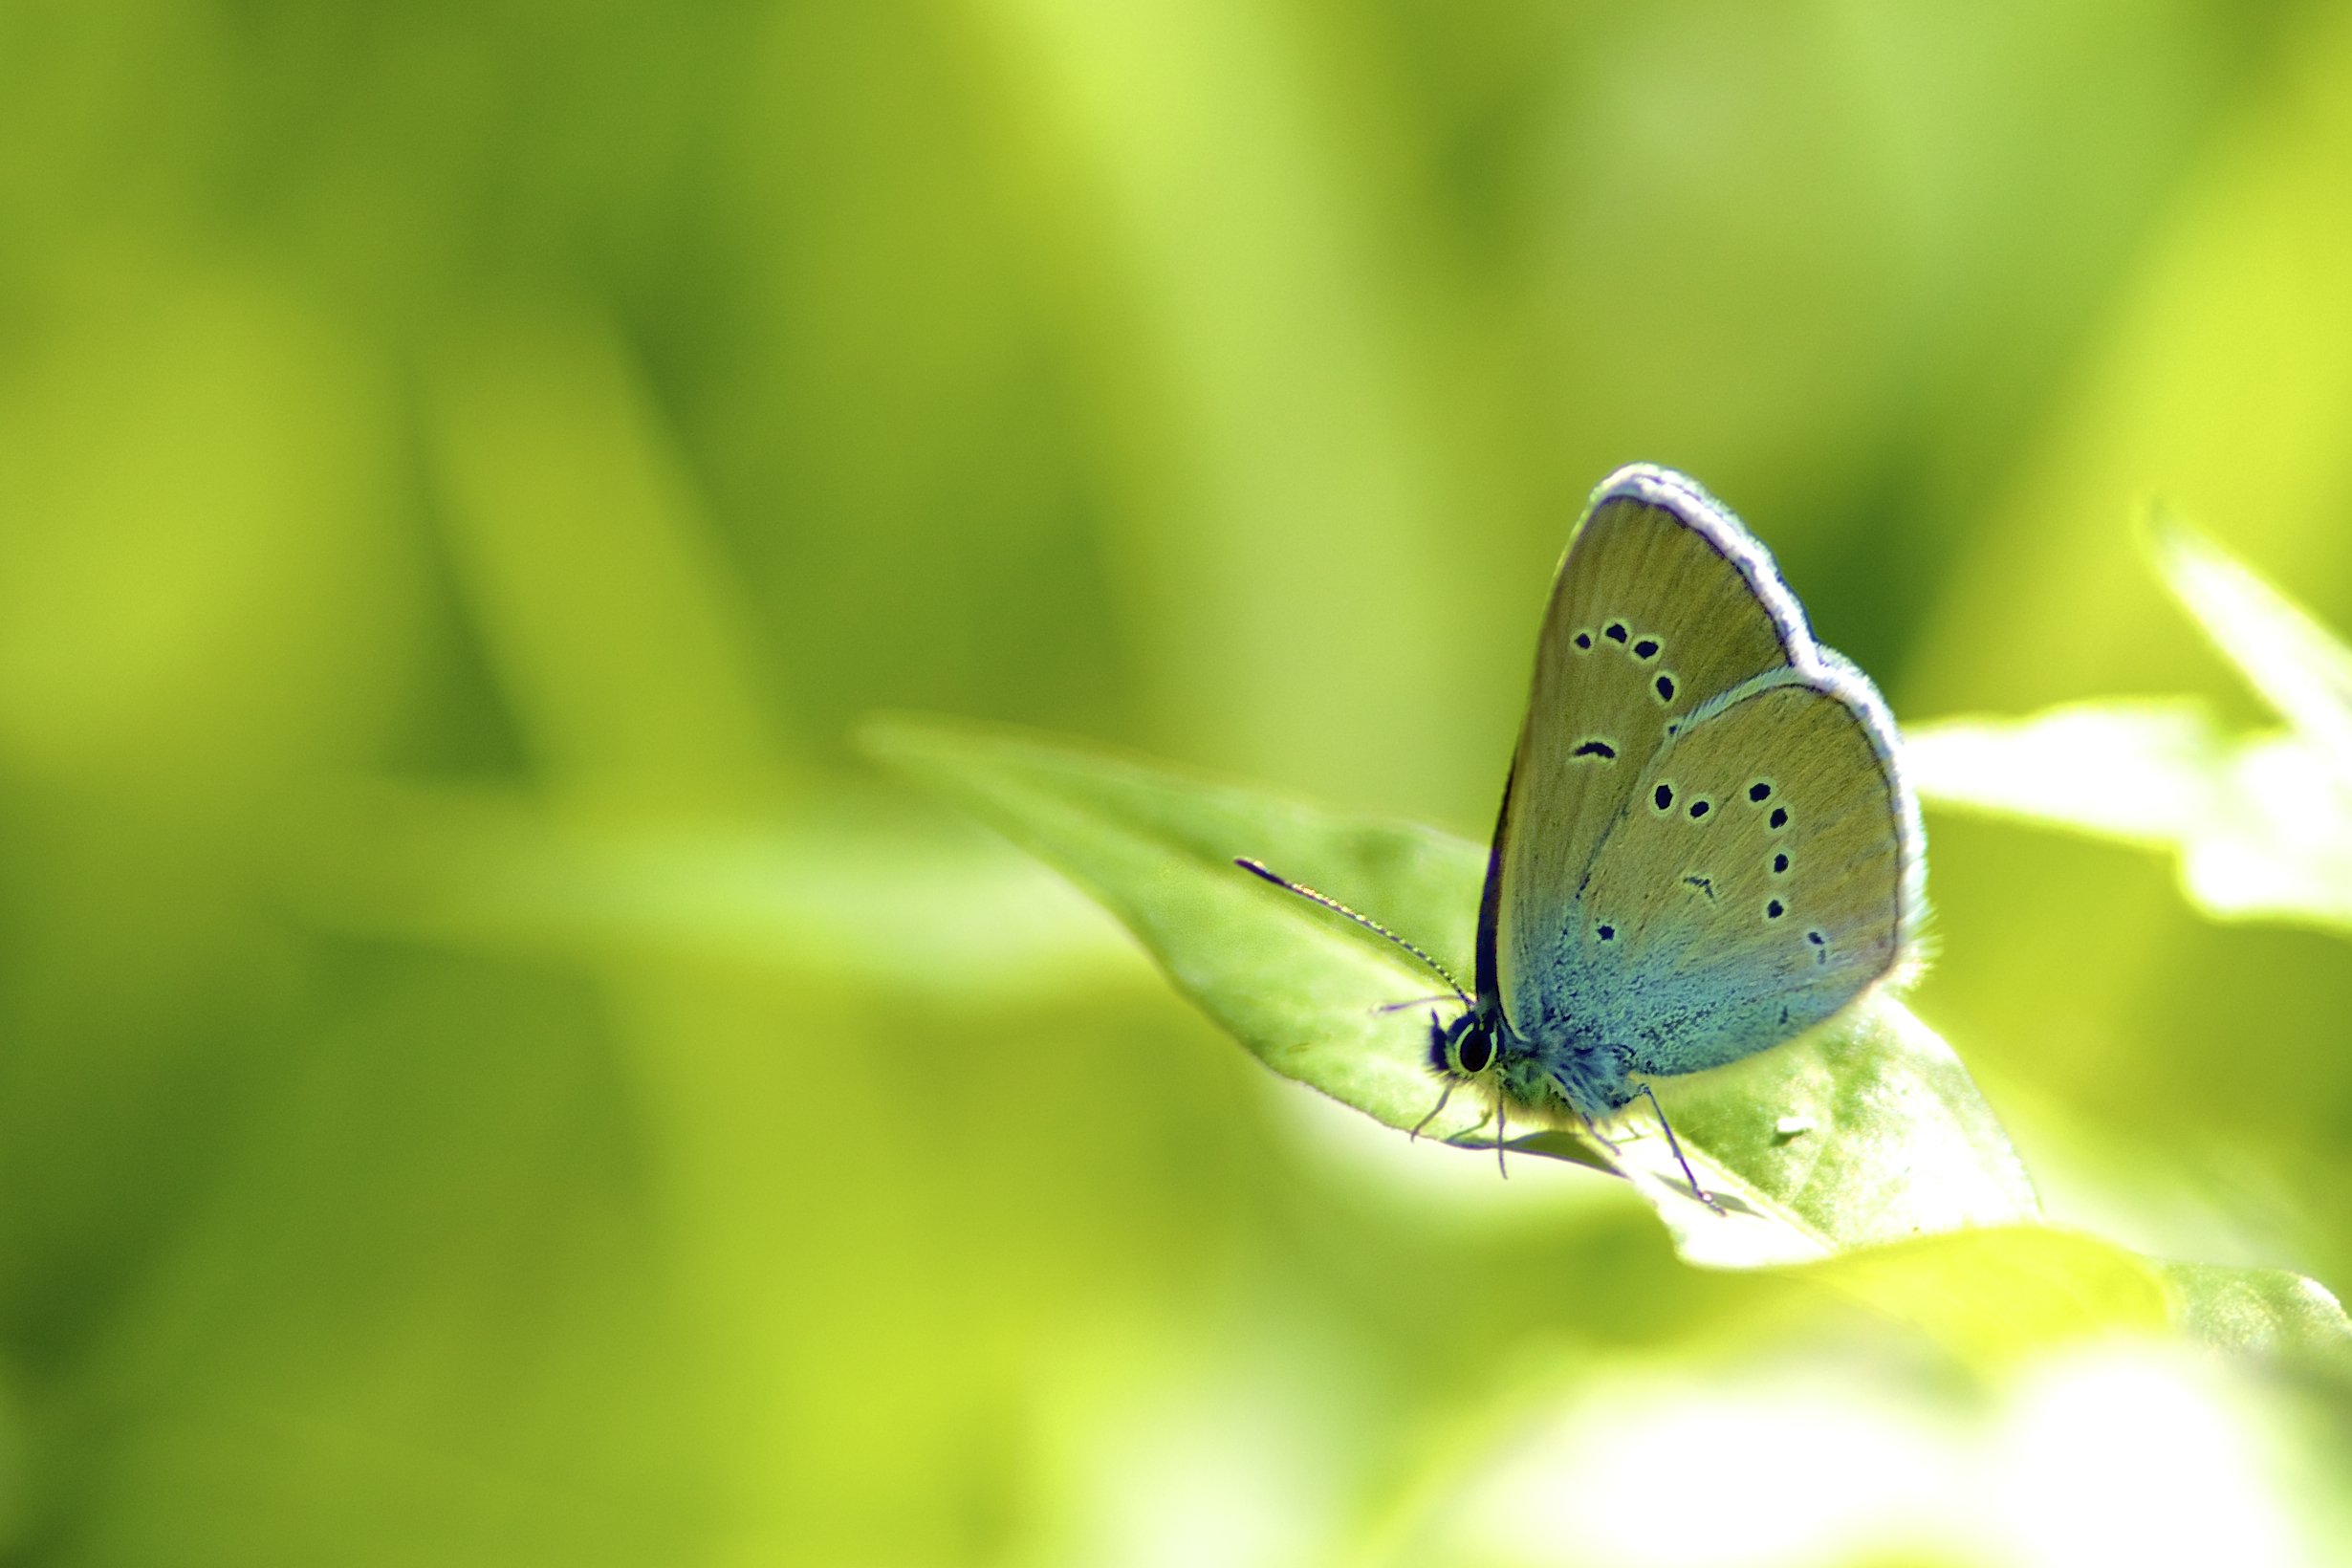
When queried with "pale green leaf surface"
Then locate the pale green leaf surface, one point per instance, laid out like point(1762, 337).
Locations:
point(2261, 824)
point(2301, 668)
point(2145, 773)
point(2270, 1313)
point(1996, 1293)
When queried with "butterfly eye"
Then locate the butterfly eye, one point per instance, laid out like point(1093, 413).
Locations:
point(1475, 1053)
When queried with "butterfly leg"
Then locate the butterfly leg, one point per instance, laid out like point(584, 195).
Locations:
point(1432, 1115)
point(1593, 1131)
point(1701, 1193)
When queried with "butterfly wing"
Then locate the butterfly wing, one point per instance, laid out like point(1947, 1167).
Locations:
point(1768, 872)
point(1662, 601)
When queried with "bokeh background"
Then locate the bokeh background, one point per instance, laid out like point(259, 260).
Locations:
point(488, 1074)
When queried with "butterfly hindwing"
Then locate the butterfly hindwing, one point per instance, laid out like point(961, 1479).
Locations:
point(1766, 875)
point(1661, 603)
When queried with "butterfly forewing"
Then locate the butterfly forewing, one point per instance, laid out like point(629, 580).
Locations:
point(1761, 880)
point(1661, 603)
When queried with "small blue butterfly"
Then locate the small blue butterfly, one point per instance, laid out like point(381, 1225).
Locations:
point(1705, 845)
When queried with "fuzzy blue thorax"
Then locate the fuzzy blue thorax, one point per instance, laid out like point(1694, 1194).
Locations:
point(1541, 1080)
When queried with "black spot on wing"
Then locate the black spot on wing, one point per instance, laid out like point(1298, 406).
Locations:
point(1600, 748)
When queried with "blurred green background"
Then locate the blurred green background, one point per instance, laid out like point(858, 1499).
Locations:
point(488, 1076)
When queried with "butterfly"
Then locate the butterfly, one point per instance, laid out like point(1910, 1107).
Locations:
point(1706, 846)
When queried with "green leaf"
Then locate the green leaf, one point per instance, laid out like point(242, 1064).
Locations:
point(1859, 1157)
point(1997, 1295)
point(2270, 1313)
point(1867, 1131)
point(835, 885)
point(2147, 772)
point(1993, 1296)
point(2301, 669)
point(2262, 824)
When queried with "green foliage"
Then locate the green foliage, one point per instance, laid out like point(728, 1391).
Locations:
point(2262, 824)
point(1859, 1156)
point(488, 1076)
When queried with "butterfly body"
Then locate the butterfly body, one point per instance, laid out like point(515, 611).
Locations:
point(1565, 1070)
point(1705, 845)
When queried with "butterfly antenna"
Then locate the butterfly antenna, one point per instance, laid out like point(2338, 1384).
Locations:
point(1410, 1001)
point(1366, 920)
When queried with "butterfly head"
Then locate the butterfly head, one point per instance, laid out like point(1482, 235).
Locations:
point(1464, 1049)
